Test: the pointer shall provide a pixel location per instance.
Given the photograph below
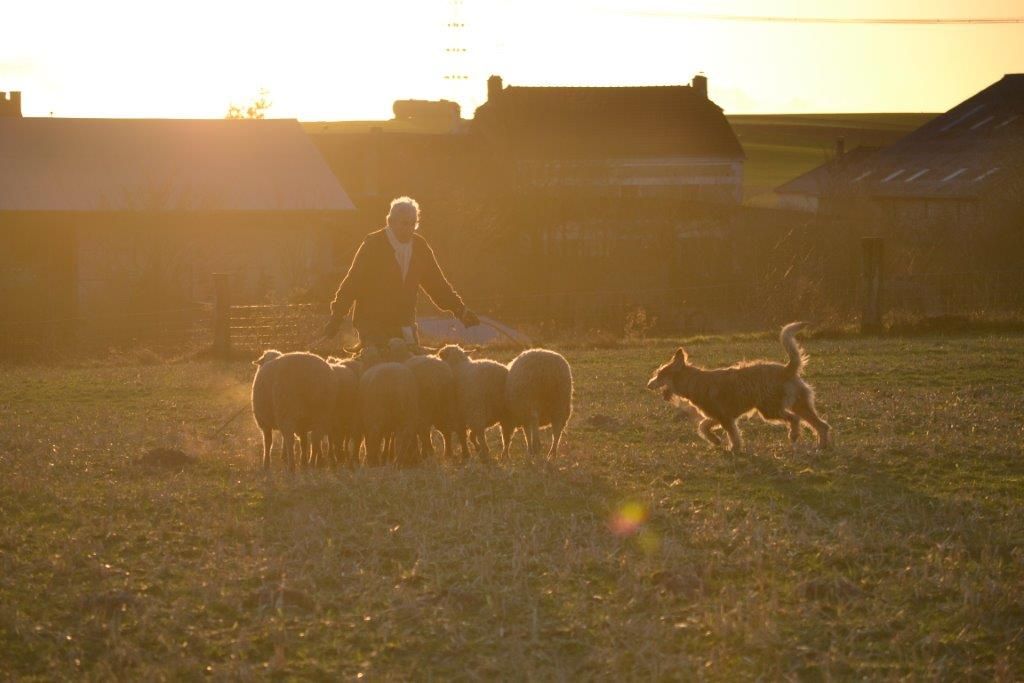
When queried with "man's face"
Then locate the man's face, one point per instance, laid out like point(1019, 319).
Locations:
point(402, 221)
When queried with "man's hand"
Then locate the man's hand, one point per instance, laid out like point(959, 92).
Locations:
point(331, 328)
point(469, 318)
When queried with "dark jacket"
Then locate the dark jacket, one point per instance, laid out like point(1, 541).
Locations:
point(384, 303)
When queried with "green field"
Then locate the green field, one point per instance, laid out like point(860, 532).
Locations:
point(898, 554)
point(781, 147)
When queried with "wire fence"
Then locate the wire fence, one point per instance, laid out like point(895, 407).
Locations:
point(736, 305)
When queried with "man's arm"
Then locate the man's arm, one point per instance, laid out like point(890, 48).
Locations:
point(436, 285)
point(347, 292)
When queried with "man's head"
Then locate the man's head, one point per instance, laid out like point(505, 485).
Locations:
point(403, 218)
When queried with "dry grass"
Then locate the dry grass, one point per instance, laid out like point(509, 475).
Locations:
point(898, 554)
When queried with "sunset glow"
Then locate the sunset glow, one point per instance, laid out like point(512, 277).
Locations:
point(346, 60)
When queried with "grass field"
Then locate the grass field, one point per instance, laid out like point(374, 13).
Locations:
point(641, 553)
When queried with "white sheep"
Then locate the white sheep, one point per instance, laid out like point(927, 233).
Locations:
point(389, 408)
point(292, 393)
point(345, 431)
point(539, 393)
point(437, 403)
point(480, 396)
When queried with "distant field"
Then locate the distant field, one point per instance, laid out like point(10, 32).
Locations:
point(781, 147)
point(897, 555)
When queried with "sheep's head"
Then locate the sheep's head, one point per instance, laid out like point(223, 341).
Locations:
point(268, 355)
point(398, 350)
point(369, 356)
point(452, 354)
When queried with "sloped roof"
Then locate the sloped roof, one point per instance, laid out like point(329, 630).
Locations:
point(969, 151)
point(53, 164)
point(821, 179)
point(607, 122)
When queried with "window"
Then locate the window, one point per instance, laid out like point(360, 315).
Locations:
point(892, 175)
point(917, 175)
point(862, 176)
point(981, 123)
point(966, 116)
point(954, 174)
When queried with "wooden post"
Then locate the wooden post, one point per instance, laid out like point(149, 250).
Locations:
point(221, 316)
point(871, 314)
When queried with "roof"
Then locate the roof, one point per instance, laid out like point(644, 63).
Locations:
point(820, 179)
point(969, 151)
point(54, 164)
point(607, 122)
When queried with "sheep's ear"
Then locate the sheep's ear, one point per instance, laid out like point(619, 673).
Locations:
point(680, 356)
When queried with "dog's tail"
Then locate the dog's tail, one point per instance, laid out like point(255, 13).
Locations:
point(797, 357)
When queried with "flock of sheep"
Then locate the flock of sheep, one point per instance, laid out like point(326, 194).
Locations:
point(391, 399)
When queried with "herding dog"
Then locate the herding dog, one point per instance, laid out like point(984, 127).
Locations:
point(722, 395)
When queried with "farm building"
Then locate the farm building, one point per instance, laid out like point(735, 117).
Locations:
point(959, 169)
point(116, 216)
point(662, 141)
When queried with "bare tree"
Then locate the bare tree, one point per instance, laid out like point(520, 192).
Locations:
point(257, 109)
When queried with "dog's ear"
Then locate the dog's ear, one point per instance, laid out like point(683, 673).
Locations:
point(680, 356)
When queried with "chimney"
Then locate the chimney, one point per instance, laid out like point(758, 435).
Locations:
point(493, 88)
point(10, 104)
point(840, 147)
point(700, 85)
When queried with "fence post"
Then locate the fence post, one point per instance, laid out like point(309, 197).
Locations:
point(221, 316)
point(871, 314)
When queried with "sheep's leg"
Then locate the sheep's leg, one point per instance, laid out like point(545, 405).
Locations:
point(479, 437)
point(268, 443)
point(406, 450)
point(305, 447)
point(288, 448)
point(374, 449)
point(449, 445)
point(464, 443)
point(556, 438)
point(426, 445)
point(532, 430)
point(507, 432)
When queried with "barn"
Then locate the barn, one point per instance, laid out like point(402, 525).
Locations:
point(112, 217)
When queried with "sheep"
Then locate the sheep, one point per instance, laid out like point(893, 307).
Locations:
point(389, 407)
point(539, 393)
point(438, 408)
point(292, 393)
point(480, 396)
point(344, 428)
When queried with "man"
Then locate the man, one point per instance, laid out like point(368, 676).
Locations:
point(389, 268)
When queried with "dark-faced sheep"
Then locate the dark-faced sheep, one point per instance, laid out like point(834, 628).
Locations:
point(480, 395)
point(292, 393)
point(538, 393)
point(389, 408)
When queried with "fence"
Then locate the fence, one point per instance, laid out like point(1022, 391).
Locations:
point(727, 306)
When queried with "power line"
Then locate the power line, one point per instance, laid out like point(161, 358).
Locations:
point(766, 19)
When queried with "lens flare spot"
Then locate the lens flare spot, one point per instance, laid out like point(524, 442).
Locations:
point(629, 519)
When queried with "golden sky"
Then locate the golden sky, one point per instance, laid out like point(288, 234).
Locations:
point(336, 60)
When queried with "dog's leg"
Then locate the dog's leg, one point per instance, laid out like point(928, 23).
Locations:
point(804, 407)
point(794, 426)
point(735, 442)
point(704, 429)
